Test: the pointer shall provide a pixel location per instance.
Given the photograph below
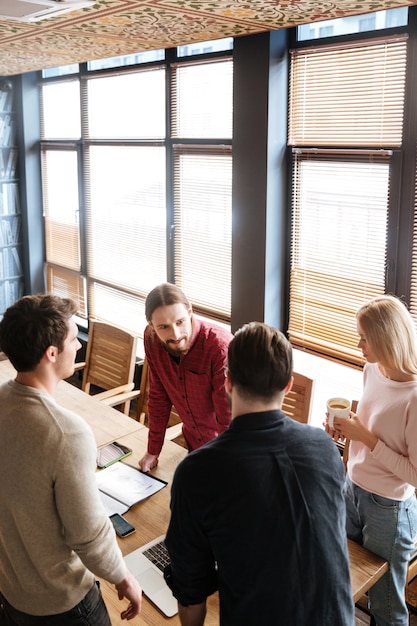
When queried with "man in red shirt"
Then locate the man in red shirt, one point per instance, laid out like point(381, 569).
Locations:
point(187, 360)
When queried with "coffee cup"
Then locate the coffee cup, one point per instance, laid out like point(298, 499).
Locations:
point(338, 407)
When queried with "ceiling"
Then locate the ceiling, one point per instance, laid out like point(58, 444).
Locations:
point(114, 27)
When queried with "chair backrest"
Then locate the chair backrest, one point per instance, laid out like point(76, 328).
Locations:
point(144, 393)
point(297, 403)
point(110, 358)
point(345, 456)
point(143, 403)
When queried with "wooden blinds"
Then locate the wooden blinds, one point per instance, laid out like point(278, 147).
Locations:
point(346, 101)
point(348, 95)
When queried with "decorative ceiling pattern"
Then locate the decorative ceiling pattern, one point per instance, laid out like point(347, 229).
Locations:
point(114, 27)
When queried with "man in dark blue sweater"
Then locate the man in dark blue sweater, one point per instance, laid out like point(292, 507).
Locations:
point(258, 513)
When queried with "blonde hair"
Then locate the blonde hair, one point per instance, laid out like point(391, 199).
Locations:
point(390, 332)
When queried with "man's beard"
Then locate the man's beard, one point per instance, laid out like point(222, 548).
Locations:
point(174, 350)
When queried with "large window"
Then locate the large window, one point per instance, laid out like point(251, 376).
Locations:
point(346, 131)
point(354, 24)
point(137, 184)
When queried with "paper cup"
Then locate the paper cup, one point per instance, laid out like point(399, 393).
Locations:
point(338, 407)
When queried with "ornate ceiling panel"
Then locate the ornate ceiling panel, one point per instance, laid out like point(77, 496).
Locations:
point(113, 27)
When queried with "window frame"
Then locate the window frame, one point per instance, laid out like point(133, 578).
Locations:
point(399, 264)
point(84, 143)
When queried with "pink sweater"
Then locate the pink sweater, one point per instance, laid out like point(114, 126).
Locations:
point(389, 409)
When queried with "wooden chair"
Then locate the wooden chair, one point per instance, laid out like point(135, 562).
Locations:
point(346, 444)
point(110, 364)
point(172, 431)
point(298, 402)
point(412, 565)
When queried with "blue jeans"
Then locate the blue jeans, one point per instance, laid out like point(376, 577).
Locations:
point(91, 611)
point(387, 528)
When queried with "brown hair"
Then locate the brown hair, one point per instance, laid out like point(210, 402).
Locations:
point(31, 325)
point(260, 360)
point(164, 295)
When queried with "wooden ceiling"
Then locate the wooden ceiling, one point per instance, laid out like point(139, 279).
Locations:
point(114, 27)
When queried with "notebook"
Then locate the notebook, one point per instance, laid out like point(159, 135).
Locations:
point(147, 565)
point(121, 486)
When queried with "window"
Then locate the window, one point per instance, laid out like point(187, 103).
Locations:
point(61, 118)
point(62, 70)
point(367, 23)
point(326, 31)
point(338, 250)
point(203, 231)
point(215, 45)
point(147, 190)
point(345, 127)
point(354, 24)
point(127, 59)
point(203, 183)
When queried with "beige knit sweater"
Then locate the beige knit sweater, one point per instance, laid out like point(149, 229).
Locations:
point(54, 531)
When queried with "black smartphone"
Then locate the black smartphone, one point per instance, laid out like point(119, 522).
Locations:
point(121, 526)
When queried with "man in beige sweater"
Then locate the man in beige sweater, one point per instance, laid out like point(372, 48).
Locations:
point(55, 536)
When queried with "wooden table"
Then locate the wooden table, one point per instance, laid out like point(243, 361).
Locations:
point(107, 423)
point(150, 518)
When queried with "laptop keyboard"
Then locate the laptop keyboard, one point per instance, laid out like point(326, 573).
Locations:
point(158, 555)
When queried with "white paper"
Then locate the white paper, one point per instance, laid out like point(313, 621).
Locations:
point(112, 506)
point(127, 484)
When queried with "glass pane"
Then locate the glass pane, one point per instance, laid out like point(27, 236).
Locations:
point(340, 221)
point(61, 70)
point(203, 231)
point(67, 284)
point(116, 307)
point(204, 100)
point(127, 59)
point(61, 118)
point(60, 189)
point(204, 47)
point(354, 24)
point(338, 250)
point(127, 216)
point(135, 104)
point(350, 95)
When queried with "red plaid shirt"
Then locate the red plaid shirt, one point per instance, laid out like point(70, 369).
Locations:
point(195, 386)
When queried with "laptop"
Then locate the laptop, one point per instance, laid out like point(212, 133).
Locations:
point(147, 566)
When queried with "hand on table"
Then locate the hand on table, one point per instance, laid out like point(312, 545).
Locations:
point(148, 462)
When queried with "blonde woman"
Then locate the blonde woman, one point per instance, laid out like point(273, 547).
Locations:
point(382, 468)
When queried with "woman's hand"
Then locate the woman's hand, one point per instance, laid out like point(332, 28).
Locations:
point(353, 429)
point(334, 434)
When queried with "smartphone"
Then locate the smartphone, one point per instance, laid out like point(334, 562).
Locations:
point(121, 526)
